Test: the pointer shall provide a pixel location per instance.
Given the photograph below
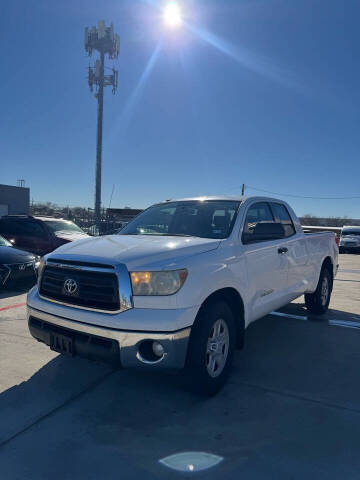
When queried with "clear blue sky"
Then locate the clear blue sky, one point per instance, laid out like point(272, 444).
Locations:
point(261, 92)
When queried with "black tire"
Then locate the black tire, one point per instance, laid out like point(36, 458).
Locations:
point(198, 360)
point(317, 302)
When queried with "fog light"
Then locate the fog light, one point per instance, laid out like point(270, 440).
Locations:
point(158, 349)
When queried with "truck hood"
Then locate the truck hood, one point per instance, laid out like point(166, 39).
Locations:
point(9, 255)
point(136, 251)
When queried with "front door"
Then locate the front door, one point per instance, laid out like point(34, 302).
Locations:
point(267, 264)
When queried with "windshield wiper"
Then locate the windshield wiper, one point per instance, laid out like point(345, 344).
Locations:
point(177, 235)
point(163, 234)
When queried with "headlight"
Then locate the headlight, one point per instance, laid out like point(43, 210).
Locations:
point(37, 262)
point(158, 283)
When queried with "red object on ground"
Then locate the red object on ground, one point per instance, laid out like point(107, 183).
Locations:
point(16, 305)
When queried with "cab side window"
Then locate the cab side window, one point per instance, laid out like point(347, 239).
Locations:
point(282, 216)
point(257, 213)
point(21, 227)
point(33, 229)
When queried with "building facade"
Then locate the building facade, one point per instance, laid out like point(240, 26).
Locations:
point(14, 200)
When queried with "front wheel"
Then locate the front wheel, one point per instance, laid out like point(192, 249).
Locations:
point(318, 302)
point(211, 349)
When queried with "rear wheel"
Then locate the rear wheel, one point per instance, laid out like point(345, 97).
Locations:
point(211, 349)
point(318, 302)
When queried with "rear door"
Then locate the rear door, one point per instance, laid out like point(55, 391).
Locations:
point(35, 237)
point(299, 265)
point(25, 234)
point(267, 267)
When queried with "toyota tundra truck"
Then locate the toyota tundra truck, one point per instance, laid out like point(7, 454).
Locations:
point(179, 285)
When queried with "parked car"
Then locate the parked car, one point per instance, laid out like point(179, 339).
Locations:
point(39, 235)
point(105, 228)
point(350, 239)
point(118, 230)
point(16, 265)
point(180, 284)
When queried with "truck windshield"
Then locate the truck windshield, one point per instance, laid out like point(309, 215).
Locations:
point(205, 219)
point(62, 226)
point(350, 232)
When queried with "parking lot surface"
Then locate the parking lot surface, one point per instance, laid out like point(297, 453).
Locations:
point(291, 409)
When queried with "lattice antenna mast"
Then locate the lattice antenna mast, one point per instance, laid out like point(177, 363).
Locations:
point(104, 40)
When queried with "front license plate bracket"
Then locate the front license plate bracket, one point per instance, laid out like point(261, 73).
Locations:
point(61, 344)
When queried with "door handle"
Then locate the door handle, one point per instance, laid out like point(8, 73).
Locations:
point(282, 250)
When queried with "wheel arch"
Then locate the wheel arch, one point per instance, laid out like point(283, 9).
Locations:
point(233, 299)
point(328, 262)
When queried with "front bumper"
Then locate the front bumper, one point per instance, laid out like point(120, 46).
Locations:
point(119, 347)
point(18, 272)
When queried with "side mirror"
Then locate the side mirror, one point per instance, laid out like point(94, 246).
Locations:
point(265, 231)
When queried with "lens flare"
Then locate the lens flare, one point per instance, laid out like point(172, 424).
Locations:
point(172, 15)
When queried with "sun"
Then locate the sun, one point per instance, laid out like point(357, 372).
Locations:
point(172, 15)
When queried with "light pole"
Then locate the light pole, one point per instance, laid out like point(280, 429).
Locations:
point(106, 42)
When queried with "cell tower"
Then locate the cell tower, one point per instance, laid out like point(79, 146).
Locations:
point(106, 42)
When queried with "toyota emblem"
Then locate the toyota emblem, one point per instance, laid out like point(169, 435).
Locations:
point(70, 286)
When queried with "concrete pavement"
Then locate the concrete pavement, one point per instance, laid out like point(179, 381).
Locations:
point(290, 410)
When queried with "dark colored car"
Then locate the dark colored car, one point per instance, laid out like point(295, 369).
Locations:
point(39, 235)
point(16, 265)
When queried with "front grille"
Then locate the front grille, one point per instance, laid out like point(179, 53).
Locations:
point(96, 290)
point(21, 271)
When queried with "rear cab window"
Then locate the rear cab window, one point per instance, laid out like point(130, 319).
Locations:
point(282, 216)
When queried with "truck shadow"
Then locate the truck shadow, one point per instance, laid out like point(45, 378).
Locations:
point(311, 358)
point(299, 309)
point(56, 383)
point(306, 359)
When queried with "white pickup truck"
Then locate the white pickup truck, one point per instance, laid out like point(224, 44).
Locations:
point(180, 284)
